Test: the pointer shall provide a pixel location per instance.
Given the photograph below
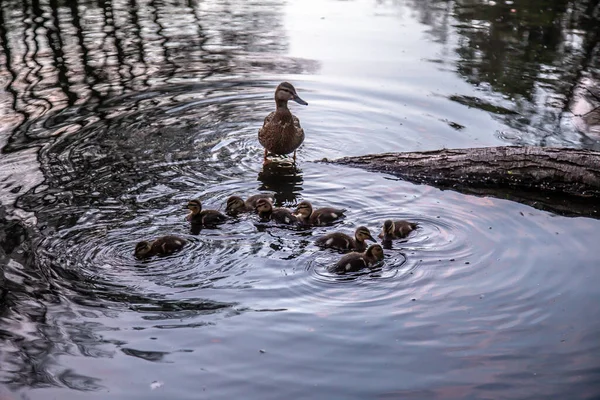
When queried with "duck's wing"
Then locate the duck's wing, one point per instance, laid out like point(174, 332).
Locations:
point(266, 131)
point(269, 118)
point(296, 122)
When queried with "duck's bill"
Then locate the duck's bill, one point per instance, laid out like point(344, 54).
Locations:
point(298, 100)
point(371, 238)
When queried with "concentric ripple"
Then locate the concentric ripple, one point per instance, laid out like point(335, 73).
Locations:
point(128, 176)
point(198, 144)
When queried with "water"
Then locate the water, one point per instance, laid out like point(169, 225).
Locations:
point(116, 113)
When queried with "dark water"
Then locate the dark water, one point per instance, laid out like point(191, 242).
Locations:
point(115, 113)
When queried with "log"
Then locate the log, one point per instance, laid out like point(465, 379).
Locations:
point(562, 180)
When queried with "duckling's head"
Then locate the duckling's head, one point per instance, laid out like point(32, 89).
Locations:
point(286, 92)
point(303, 210)
point(195, 207)
point(362, 233)
point(143, 249)
point(264, 206)
point(375, 251)
point(234, 204)
point(388, 228)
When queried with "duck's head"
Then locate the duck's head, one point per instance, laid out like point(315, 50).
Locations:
point(195, 207)
point(303, 210)
point(375, 252)
point(286, 92)
point(264, 206)
point(143, 249)
point(362, 233)
point(234, 204)
point(388, 228)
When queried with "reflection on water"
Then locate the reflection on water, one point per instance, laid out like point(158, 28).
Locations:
point(536, 59)
point(282, 177)
point(116, 113)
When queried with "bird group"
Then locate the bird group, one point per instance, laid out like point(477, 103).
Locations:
point(281, 134)
point(304, 215)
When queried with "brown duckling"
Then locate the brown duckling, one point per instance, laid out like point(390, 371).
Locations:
point(321, 216)
point(266, 212)
point(236, 204)
point(281, 132)
point(341, 241)
point(197, 216)
point(161, 246)
point(396, 229)
point(356, 261)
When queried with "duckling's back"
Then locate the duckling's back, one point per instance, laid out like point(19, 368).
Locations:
point(326, 215)
point(351, 262)
point(336, 240)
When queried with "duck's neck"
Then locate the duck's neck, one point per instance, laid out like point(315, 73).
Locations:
point(282, 106)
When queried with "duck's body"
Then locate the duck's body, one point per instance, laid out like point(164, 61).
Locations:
point(341, 241)
point(162, 246)
point(237, 205)
point(281, 132)
point(321, 216)
point(197, 216)
point(398, 229)
point(356, 261)
point(267, 212)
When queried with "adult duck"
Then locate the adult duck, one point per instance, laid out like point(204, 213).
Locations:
point(281, 132)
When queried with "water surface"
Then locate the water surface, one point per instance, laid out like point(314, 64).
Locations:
point(115, 113)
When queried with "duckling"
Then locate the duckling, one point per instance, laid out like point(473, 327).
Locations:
point(236, 204)
point(341, 241)
point(356, 261)
point(281, 132)
point(266, 212)
point(161, 246)
point(321, 216)
point(396, 229)
point(197, 216)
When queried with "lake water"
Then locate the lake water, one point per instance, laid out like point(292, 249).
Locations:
point(115, 113)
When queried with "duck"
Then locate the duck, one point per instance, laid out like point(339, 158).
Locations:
point(266, 212)
point(281, 132)
point(197, 216)
point(356, 261)
point(321, 216)
point(341, 241)
point(162, 246)
point(398, 229)
point(236, 205)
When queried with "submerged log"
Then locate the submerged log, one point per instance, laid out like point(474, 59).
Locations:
point(561, 180)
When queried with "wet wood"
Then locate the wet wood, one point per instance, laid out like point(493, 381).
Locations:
point(566, 181)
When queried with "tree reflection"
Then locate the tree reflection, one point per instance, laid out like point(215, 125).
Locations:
point(76, 53)
point(106, 70)
point(537, 55)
